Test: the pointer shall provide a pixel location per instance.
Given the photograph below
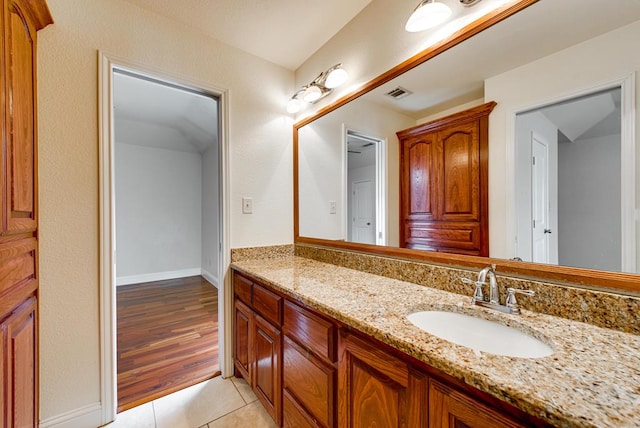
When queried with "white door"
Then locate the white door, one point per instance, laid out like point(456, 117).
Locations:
point(364, 214)
point(544, 246)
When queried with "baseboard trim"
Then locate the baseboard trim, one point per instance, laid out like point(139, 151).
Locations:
point(212, 279)
point(87, 416)
point(157, 276)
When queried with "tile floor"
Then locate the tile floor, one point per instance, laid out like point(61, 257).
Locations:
point(216, 403)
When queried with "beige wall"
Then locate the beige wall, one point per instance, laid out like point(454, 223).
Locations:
point(260, 156)
point(321, 167)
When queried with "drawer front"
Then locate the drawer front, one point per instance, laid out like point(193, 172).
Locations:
point(268, 304)
point(309, 330)
point(311, 382)
point(293, 416)
point(242, 288)
point(463, 236)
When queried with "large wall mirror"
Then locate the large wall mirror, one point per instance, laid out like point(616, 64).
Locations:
point(566, 89)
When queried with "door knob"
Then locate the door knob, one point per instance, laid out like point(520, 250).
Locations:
point(547, 231)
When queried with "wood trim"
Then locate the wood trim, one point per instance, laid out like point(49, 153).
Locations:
point(607, 281)
point(38, 13)
point(465, 116)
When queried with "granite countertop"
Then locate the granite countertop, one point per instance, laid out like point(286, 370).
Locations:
point(591, 380)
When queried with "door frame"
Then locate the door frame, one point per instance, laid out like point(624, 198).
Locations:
point(380, 183)
point(107, 293)
point(628, 172)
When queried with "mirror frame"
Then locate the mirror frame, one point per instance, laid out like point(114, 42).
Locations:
point(616, 282)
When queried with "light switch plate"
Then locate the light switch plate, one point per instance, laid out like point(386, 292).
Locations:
point(247, 205)
point(332, 207)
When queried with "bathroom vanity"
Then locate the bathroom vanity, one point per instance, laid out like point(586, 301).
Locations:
point(324, 346)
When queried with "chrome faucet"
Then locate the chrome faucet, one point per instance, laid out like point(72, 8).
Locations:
point(494, 293)
point(510, 306)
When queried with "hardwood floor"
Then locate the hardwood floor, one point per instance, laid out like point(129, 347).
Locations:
point(167, 338)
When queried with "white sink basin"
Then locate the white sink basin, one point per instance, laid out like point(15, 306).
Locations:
point(480, 334)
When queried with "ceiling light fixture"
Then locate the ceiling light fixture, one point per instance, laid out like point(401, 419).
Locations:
point(319, 88)
point(427, 14)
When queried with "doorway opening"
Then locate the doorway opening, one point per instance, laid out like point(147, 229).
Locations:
point(365, 188)
point(571, 183)
point(163, 208)
point(167, 236)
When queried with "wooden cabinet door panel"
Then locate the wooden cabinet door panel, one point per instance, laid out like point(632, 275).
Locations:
point(20, 163)
point(310, 381)
point(267, 372)
point(419, 202)
point(20, 361)
point(376, 389)
point(243, 340)
point(449, 408)
point(460, 175)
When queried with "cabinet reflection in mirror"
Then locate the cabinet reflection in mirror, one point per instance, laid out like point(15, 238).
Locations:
point(582, 189)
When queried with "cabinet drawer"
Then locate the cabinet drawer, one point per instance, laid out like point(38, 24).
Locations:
point(292, 415)
point(463, 236)
point(308, 329)
point(310, 380)
point(268, 304)
point(242, 288)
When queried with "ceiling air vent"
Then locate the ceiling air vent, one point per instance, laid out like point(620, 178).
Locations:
point(399, 92)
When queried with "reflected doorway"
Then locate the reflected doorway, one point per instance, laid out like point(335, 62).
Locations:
point(365, 188)
point(569, 198)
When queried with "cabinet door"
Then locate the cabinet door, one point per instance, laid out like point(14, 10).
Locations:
point(418, 178)
point(243, 340)
point(19, 205)
point(459, 173)
point(19, 359)
point(449, 408)
point(376, 389)
point(267, 372)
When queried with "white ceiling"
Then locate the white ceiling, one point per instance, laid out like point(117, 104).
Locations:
point(149, 113)
point(285, 32)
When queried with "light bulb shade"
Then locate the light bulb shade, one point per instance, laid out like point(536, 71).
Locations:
point(294, 105)
point(336, 77)
point(428, 14)
point(312, 93)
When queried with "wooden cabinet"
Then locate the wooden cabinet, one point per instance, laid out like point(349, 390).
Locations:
point(449, 408)
point(19, 21)
point(310, 370)
point(377, 389)
point(266, 372)
point(444, 184)
point(18, 350)
point(258, 342)
point(309, 374)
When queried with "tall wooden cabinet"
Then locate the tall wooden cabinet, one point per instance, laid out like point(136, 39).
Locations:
point(20, 20)
point(444, 172)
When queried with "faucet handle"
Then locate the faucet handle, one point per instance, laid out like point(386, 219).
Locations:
point(478, 295)
point(511, 301)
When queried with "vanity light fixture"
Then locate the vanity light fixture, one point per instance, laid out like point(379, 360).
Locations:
point(319, 88)
point(427, 14)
